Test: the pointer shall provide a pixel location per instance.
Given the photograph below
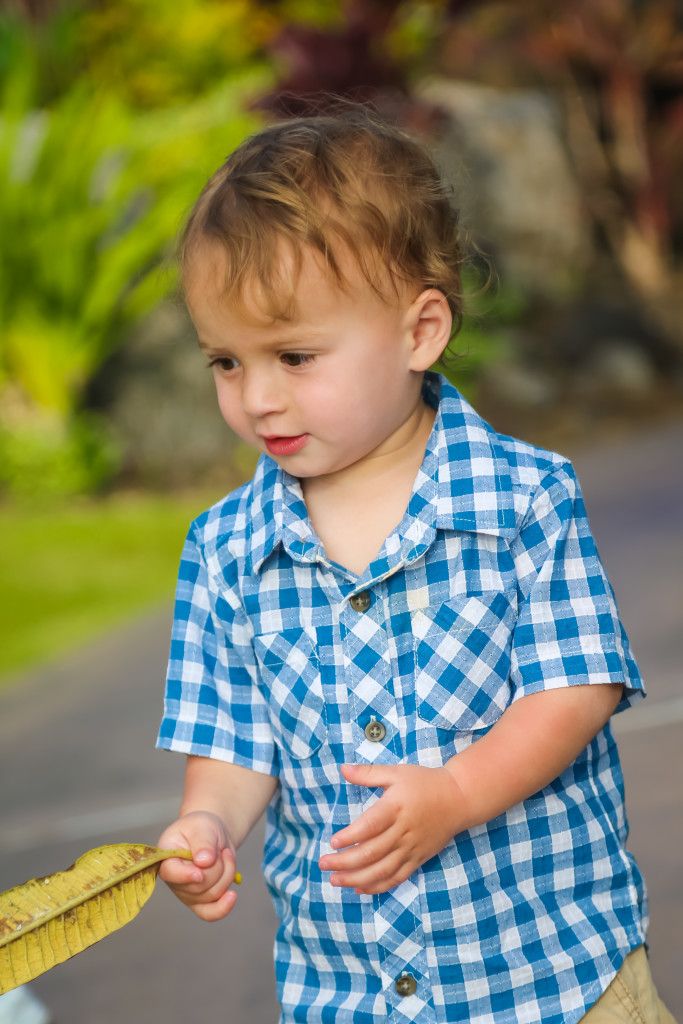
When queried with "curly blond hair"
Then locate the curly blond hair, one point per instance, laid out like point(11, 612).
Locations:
point(343, 183)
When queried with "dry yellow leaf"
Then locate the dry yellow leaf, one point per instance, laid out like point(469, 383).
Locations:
point(48, 920)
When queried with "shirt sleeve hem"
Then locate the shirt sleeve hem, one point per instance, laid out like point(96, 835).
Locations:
point(228, 756)
point(632, 695)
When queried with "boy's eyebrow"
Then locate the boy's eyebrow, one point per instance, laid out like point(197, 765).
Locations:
point(299, 335)
point(207, 349)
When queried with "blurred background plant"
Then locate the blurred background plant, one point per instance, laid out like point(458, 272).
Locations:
point(616, 69)
point(561, 127)
point(96, 170)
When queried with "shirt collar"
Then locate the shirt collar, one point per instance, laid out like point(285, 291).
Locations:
point(277, 515)
point(474, 486)
point(463, 484)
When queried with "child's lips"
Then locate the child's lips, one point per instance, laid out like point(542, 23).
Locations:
point(278, 445)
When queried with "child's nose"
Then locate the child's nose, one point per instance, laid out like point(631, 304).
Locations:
point(262, 395)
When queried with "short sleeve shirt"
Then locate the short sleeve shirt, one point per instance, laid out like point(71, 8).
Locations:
point(286, 663)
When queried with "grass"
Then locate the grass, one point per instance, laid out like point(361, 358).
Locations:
point(70, 572)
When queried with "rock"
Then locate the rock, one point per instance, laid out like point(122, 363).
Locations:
point(519, 385)
point(514, 183)
point(618, 367)
point(159, 396)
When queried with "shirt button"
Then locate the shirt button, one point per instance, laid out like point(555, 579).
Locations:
point(361, 602)
point(406, 985)
point(375, 731)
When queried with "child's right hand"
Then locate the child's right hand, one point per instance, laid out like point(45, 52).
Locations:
point(202, 884)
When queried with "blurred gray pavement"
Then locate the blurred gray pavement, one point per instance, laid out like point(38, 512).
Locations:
point(634, 495)
point(79, 769)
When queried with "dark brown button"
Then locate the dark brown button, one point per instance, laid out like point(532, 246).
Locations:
point(375, 731)
point(360, 602)
point(406, 985)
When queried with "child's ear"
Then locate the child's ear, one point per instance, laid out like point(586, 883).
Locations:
point(430, 325)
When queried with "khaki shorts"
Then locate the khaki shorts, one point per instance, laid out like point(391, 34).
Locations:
point(632, 997)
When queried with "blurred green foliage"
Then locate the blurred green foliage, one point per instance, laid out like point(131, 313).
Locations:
point(93, 186)
point(149, 53)
point(491, 310)
point(50, 597)
point(156, 54)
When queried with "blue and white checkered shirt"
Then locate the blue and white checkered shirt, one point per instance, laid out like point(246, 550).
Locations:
point(489, 589)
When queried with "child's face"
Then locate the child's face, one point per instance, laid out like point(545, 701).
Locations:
point(323, 393)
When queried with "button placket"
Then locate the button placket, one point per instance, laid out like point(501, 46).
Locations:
point(368, 645)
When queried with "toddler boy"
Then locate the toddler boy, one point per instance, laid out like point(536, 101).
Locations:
point(397, 639)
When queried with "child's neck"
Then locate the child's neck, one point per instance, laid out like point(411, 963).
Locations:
point(354, 510)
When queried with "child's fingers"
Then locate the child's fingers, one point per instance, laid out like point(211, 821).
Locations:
point(208, 897)
point(373, 822)
point(175, 871)
point(214, 880)
point(198, 832)
point(378, 877)
point(218, 909)
point(361, 854)
point(372, 775)
point(209, 891)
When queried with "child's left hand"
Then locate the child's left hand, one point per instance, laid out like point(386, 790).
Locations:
point(419, 812)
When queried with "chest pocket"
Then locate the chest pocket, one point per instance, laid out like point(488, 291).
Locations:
point(462, 654)
point(291, 678)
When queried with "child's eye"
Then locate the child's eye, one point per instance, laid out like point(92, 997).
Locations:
point(295, 358)
point(224, 363)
